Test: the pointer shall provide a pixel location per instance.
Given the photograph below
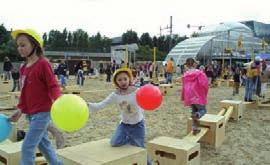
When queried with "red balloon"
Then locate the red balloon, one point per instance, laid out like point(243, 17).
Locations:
point(149, 97)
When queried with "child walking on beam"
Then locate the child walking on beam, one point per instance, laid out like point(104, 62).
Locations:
point(194, 92)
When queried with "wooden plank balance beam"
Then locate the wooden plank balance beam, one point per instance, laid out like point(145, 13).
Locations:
point(186, 151)
point(101, 153)
point(222, 112)
point(237, 105)
point(228, 114)
point(195, 138)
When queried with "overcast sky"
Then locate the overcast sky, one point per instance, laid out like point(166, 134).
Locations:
point(113, 17)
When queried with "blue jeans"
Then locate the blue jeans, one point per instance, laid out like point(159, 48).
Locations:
point(80, 79)
point(132, 134)
point(198, 110)
point(16, 84)
point(62, 80)
point(37, 136)
point(7, 75)
point(249, 89)
point(169, 78)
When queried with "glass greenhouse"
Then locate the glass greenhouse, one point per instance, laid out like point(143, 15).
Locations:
point(229, 41)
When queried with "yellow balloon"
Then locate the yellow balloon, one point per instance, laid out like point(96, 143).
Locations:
point(69, 112)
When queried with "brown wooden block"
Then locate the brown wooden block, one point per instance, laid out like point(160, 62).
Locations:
point(216, 125)
point(171, 151)
point(237, 108)
point(101, 153)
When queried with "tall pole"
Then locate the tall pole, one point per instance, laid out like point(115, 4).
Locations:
point(126, 57)
point(170, 45)
point(154, 66)
point(171, 32)
point(228, 46)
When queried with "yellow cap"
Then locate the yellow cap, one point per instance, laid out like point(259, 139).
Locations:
point(30, 32)
point(127, 70)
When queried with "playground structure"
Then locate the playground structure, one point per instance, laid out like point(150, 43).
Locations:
point(186, 151)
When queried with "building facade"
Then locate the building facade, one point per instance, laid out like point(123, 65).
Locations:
point(228, 41)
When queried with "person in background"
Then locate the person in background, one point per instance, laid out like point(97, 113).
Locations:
point(250, 85)
point(169, 71)
point(236, 79)
point(7, 67)
point(15, 76)
point(257, 78)
point(150, 69)
point(108, 72)
point(62, 73)
point(141, 75)
point(265, 78)
point(178, 70)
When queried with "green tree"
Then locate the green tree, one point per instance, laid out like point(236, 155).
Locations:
point(9, 49)
point(80, 40)
point(69, 39)
point(7, 45)
point(4, 35)
point(155, 41)
point(194, 34)
point(130, 37)
point(146, 40)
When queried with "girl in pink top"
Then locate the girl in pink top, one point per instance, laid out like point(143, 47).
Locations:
point(194, 92)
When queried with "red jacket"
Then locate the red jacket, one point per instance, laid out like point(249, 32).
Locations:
point(39, 87)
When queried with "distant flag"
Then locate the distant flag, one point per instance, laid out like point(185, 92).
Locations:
point(252, 55)
point(264, 44)
point(240, 42)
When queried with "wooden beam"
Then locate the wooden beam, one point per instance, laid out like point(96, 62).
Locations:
point(7, 141)
point(222, 112)
point(5, 96)
point(228, 114)
point(195, 138)
point(7, 107)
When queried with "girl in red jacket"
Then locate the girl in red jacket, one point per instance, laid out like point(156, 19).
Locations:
point(39, 89)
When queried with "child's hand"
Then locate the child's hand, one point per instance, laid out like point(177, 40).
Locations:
point(16, 116)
